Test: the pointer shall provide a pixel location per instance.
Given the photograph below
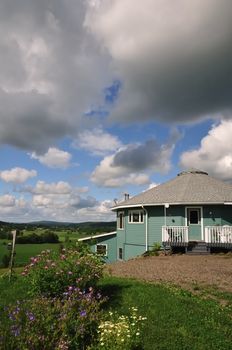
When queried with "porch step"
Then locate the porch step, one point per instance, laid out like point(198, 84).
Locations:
point(197, 248)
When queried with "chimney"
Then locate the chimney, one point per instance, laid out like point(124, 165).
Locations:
point(126, 196)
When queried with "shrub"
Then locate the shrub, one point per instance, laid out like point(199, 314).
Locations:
point(51, 273)
point(120, 332)
point(6, 260)
point(46, 323)
point(33, 238)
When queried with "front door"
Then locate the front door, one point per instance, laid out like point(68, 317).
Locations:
point(194, 223)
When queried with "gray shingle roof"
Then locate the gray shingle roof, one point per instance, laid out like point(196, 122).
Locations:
point(189, 187)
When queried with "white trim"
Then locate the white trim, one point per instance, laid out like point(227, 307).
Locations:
point(162, 204)
point(139, 211)
point(97, 236)
point(201, 222)
point(118, 220)
point(101, 244)
point(118, 254)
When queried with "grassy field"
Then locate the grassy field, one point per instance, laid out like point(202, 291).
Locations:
point(25, 251)
point(176, 319)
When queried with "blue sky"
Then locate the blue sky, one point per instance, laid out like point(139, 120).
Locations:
point(102, 97)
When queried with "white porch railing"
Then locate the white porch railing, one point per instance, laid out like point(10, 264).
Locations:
point(177, 234)
point(218, 234)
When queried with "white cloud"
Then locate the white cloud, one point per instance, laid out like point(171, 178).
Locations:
point(17, 175)
point(60, 187)
point(54, 158)
point(105, 174)
point(214, 154)
point(7, 200)
point(97, 142)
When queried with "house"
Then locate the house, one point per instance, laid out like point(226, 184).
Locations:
point(192, 212)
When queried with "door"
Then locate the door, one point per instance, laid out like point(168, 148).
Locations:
point(194, 223)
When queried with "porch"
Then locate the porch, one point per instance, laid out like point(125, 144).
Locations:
point(213, 236)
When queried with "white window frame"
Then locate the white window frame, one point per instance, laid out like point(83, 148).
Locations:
point(119, 254)
point(101, 244)
point(123, 220)
point(137, 212)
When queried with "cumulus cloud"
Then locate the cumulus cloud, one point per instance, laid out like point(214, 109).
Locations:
point(60, 187)
point(7, 200)
point(214, 154)
point(97, 142)
point(17, 175)
point(54, 158)
point(173, 57)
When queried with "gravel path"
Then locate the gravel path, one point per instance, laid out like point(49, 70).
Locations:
point(182, 270)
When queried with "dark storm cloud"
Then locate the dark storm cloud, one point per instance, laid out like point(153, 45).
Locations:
point(174, 57)
point(51, 71)
point(138, 157)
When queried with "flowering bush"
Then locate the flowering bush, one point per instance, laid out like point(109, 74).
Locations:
point(50, 273)
point(120, 332)
point(46, 323)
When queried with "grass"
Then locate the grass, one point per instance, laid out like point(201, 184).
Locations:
point(176, 319)
point(25, 251)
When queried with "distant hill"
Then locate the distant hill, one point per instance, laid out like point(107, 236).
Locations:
point(89, 226)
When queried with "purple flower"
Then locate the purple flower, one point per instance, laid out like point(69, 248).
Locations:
point(30, 316)
point(83, 313)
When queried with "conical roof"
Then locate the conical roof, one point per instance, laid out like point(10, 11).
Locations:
point(188, 187)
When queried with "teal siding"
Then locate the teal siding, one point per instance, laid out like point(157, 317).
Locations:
point(121, 238)
point(132, 239)
point(111, 242)
point(217, 215)
point(133, 250)
point(175, 216)
point(155, 223)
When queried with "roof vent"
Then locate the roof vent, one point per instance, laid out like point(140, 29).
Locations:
point(193, 171)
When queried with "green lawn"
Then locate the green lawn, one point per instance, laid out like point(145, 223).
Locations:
point(25, 251)
point(176, 320)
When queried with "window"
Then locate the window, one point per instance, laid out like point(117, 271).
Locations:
point(120, 220)
point(194, 217)
point(136, 216)
point(101, 249)
point(120, 254)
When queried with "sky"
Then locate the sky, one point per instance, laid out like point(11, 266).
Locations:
point(104, 97)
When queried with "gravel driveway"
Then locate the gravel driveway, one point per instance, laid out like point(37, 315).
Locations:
point(183, 270)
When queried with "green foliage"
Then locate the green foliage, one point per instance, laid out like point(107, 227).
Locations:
point(51, 273)
point(155, 250)
point(44, 323)
point(6, 260)
point(33, 238)
point(118, 332)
